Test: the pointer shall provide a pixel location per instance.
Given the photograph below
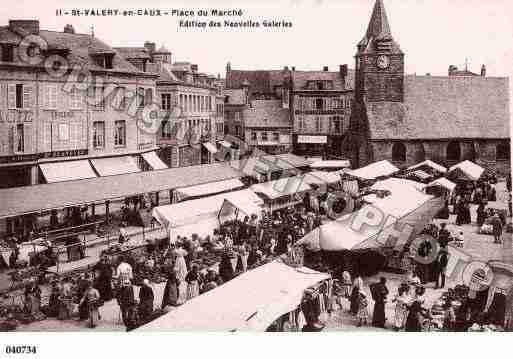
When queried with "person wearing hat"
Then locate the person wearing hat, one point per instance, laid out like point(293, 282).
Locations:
point(180, 269)
point(104, 273)
point(91, 300)
point(379, 293)
point(444, 236)
point(497, 228)
point(126, 302)
point(146, 298)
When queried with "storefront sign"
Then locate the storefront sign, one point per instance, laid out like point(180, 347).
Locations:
point(37, 156)
point(16, 115)
point(312, 139)
point(62, 114)
point(284, 138)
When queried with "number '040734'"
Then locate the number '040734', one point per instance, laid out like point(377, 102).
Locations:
point(20, 349)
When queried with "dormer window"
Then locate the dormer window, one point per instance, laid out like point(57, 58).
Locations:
point(108, 61)
point(7, 53)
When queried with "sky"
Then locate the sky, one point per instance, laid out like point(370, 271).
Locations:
point(433, 34)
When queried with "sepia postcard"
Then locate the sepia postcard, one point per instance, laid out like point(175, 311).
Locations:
point(254, 166)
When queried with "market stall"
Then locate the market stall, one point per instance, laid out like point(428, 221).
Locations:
point(207, 189)
point(249, 302)
point(282, 193)
point(465, 171)
point(332, 165)
point(200, 216)
point(374, 170)
point(429, 166)
point(323, 179)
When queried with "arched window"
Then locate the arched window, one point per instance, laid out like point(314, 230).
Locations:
point(399, 152)
point(503, 151)
point(453, 151)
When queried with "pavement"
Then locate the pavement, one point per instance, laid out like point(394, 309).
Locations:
point(477, 245)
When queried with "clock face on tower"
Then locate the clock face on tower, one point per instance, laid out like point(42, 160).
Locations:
point(383, 61)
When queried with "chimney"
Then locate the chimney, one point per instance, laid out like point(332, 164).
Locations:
point(69, 29)
point(343, 71)
point(483, 71)
point(293, 68)
point(285, 68)
point(30, 26)
point(228, 66)
point(194, 68)
point(150, 46)
point(428, 74)
point(325, 68)
point(452, 69)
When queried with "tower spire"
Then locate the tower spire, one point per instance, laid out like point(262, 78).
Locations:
point(378, 24)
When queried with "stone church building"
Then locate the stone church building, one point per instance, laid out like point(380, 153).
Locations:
point(408, 118)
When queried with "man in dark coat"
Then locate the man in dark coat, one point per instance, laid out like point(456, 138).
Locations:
point(444, 236)
point(104, 280)
point(379, 294)
point(126, 301)
point(146, 298)
point(441, 267)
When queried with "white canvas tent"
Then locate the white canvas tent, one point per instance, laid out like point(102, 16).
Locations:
point(331, 164)
point(237, 207)
point(200, 211)
point(249, 302)
point(443, 182)
point(430, 164)
point(282, 187)
point(405, 205)
point(181, 194)
point(321, 178)
point(374, 170)
point(469, 169)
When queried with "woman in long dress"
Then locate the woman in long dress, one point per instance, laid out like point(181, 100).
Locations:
point(91, 299)
point(181, 273)
point(170, 296)
point(357, 285)
point(193, 282)
point(33, 298)
point(363, 308)
point(402, 301)
point(416, 312)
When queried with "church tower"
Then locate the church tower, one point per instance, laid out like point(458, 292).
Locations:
point(379, 62)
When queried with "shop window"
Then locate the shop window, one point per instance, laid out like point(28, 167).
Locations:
point(453, 151)
point(399, 152)
point(503, 151)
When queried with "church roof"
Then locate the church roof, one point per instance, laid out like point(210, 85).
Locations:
point(444, 108)
point(378, 32)
point(378, 25)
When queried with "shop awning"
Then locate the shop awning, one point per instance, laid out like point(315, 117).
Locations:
point(282, 187)
point(67, 171)
point(30, 199)
point(115, 165)
point(207, 189)
point(225, 144)
point(154, 161)
point(249, 302)
point(374, 170)
point(210, 147)
point(197, 210)
point(331, 164)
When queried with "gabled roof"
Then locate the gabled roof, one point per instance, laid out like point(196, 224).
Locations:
point(260, 81)
point(82, 49)
point(234, 96)
point(444, 108)
point(300, 79)
point(265, 114)
point(133, 52)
